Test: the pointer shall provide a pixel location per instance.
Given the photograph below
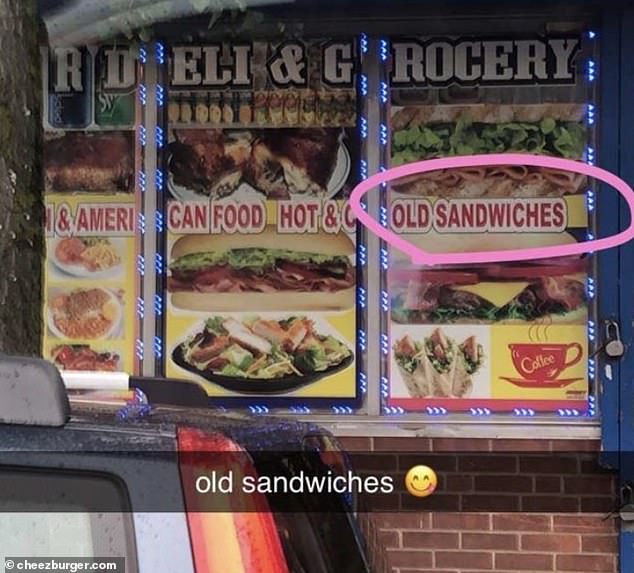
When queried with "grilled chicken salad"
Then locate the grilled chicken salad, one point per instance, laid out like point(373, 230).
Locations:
point(263, 349)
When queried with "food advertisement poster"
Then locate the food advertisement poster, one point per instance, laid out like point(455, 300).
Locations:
point(262, 155)
point(89, 183)
point(495, 336)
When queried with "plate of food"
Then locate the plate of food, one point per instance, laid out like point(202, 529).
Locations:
point(84, 314)
point(83, 357)
point(267, 164)
point(253, 354)
point(87, 257)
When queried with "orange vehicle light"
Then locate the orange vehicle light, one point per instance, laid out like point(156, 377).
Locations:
point(242, 539)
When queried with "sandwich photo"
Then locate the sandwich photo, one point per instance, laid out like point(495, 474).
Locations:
point(280, 354)
point(89, 162)
point(552, 290)
point(262, 271)
point(438, 366)
point(209, 162)
point(277, 163)
point(427, 132)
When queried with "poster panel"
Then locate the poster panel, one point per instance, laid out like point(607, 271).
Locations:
point(263, 151)
point(89, 183)
point(492, 336)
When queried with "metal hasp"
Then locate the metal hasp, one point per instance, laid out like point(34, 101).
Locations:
point(32, 393)
point(626, 510)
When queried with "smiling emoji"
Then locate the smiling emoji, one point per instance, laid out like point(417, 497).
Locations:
point(421, 481)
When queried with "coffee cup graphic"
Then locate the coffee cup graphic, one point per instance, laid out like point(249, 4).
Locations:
point(544, 362)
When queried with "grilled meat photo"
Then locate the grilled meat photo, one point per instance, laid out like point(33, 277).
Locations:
point(87, 162)
point(208, 161)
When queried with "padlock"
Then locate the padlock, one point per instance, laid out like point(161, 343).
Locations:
point(614, 347)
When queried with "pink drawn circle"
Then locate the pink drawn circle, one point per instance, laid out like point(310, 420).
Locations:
point(421, 257)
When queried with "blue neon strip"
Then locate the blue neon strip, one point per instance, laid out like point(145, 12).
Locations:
point(141, 223)
point(363, 127)
point(299, 410)
point(363, 82)
point(139, 348)
point(523, 412)
point(159, 221)
point(159, 264)
point(384, 50)
point(142, 181)
point(568, 413)
point(383, 216)
point(363, 382)
point(592, 369)
point(140, 307)
point(364, 169)
point(363, 341)
point(158, 304)
point(385, 301)
point(160, 53)
point(436, 410)
point(143, 94)
point(160, 96)
point(480, 411)
point(591, 330)
point(383, 92)
point(385, 387)
point(362, 254)
point(393, 410)
point(140, 265)
point(160, 140)
point(143, 55)
point(384, 258)
point(258, 409)
point(159, 180)
point(383, 134)
point(158, 347)
point(363, 43)
point(385, 344)
point(361, 297)
point(341, 410)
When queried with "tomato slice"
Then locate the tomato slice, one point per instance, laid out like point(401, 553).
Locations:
point(434, 276)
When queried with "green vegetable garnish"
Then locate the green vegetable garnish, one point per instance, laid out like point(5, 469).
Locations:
point(254, 259)
point(549, 136)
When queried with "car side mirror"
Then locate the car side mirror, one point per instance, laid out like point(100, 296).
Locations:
point(32, 392)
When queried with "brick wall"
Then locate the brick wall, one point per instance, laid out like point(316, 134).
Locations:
point(469, 542)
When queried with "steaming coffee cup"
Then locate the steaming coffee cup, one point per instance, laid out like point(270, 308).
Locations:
point(543, 362)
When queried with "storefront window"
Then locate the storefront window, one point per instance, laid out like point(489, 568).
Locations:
point(507, 337)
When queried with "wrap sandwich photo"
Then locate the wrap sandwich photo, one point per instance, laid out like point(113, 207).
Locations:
point(438, 366)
